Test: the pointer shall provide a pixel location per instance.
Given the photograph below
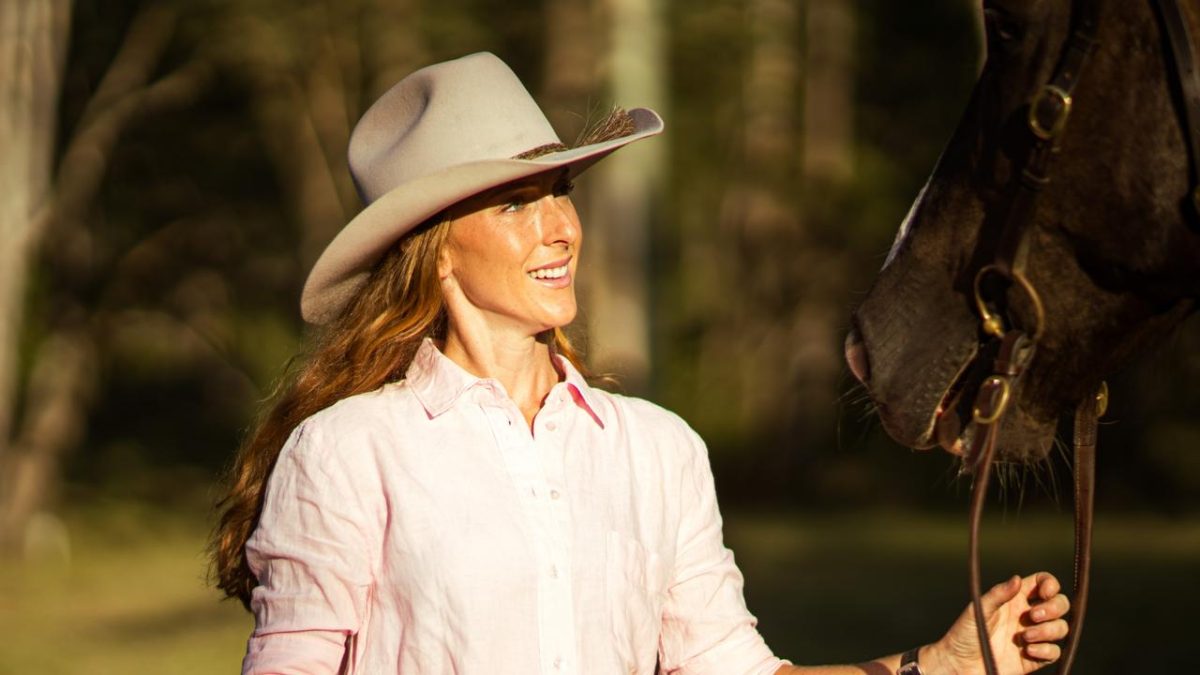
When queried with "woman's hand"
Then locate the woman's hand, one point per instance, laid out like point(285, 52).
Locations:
point(1024, 618)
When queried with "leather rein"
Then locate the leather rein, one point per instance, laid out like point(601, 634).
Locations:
point(1013, 345)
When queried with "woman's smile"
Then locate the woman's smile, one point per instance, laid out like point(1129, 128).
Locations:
point(554, 275)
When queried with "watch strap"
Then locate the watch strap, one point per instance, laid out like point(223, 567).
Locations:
point(908, 663)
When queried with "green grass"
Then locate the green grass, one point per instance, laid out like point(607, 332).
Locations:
point(846, 588)
point(131, 598)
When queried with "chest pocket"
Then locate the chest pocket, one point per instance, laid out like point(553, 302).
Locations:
point(635, 580)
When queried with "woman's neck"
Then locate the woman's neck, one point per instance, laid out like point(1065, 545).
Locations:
point(521, 364)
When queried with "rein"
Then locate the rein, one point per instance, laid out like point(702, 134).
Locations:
point(1013, 345)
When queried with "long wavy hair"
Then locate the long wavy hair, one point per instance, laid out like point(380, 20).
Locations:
point(371, 343)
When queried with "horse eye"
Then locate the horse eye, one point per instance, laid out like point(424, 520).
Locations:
point(1001, 26)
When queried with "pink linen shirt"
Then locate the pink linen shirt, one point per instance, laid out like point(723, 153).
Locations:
point(425, 528)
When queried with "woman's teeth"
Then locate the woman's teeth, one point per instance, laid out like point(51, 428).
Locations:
point(549, 273)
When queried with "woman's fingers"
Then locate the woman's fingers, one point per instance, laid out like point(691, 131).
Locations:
point(999, 594)
point(1054, 608)
point(1046, 586)
point(1050, 631)
point(1043, 651)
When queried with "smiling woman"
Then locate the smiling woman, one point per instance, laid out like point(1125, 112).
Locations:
point(439, 489)
point(509, 261)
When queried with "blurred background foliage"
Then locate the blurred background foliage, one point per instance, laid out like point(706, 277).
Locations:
point(181, 164)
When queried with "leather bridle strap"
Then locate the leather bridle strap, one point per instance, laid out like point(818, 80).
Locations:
point(991, 403)
point(1087, 416)
point(1175, 26)
point(1049, 111)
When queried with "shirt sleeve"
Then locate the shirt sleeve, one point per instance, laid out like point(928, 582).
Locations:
point(312, 553)
point(706, 627)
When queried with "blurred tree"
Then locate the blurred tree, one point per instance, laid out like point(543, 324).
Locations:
point(61, 376)
point(571, 70)
point(771, 329)
point(31, 59)
point(623, 199)
point(828, 90)
point(310, 69)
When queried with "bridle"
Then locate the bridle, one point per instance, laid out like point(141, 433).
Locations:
point(1014, 345)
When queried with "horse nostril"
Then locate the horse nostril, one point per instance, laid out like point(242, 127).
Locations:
point(856, 356)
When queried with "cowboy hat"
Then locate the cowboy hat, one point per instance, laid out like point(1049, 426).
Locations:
point(440, 135)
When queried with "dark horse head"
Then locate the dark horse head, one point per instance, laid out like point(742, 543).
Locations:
point(1114, 247)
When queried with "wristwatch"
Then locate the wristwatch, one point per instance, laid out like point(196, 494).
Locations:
point(908, 663)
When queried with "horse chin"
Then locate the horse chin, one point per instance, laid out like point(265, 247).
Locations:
point(1021, 438)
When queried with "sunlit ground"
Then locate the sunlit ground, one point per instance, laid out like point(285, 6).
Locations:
point(131, 598)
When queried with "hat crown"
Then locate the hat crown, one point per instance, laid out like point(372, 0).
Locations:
point(448, 114)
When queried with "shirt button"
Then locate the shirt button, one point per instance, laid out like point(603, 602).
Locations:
point(558, 662)
point(553, 571)
point(554, 494)
point(551, 426)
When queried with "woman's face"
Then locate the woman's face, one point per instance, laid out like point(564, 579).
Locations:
point(510, 257)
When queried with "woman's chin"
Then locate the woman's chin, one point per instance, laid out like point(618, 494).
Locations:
point(557, 317)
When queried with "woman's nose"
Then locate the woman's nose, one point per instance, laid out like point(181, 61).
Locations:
point(560, 222)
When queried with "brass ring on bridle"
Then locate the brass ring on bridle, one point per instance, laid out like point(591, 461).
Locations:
point(993, 323)
point(1061, 112)
point(998, 390)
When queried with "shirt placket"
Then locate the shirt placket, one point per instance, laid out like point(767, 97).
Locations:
point(534, 463)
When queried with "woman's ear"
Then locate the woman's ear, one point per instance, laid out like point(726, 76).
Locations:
point(445, 264)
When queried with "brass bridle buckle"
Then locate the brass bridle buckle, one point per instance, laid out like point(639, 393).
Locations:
point(1048, 111)
point(992, 322)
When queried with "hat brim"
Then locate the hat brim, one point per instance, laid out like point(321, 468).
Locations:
point(346, 262)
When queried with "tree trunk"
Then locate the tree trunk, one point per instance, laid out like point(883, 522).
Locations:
point(31, 62)
point(748, 347)
point(570, 78)
point(59, 395)
point(772, 346)
point(624, 195)
point(829, 90)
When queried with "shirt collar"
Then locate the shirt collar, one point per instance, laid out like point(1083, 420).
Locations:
point(439, 382)
point(583, 395)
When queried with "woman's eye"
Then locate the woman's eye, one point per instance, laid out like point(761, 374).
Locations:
point(514, 204)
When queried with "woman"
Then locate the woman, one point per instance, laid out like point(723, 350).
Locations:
point(439, 489)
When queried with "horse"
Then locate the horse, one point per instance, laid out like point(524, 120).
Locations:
point(1057, 237)
point(1115, 240)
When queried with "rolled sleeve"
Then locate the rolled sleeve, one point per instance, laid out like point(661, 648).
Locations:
point(706, 626)
point(313, 554)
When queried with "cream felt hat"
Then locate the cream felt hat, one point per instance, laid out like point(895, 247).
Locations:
point(440, 135)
